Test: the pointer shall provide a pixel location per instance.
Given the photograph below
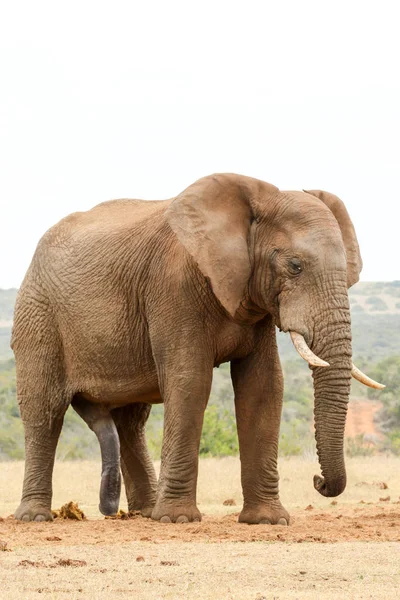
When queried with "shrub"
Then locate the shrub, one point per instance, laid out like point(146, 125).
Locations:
point(290, 443)
point(355, 446)
point(393, 441)
point(219, 435)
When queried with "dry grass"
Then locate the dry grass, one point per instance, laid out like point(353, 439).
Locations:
point(219, 480)
point(97, 559)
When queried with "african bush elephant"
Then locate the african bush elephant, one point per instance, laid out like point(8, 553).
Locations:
point(134, 302)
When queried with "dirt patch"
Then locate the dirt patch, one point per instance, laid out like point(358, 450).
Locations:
point(229, 502)
point(69, 562)
point(61, 562)
point(341, 552)
point(363, 523)
point(360, 420)
point(203, 571)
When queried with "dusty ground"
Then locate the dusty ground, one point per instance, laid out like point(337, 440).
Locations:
point(346, 550)
point(364, 523)
point(173, 570)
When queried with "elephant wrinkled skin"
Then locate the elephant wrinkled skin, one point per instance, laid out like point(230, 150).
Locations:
point(134, 302)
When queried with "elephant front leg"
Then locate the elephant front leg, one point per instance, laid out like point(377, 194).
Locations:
point(185, 397)
point(258, 386)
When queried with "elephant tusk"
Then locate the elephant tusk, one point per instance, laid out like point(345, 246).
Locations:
point(360, 376)
point(301, 346)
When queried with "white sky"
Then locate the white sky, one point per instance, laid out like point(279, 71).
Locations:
point(102, 100)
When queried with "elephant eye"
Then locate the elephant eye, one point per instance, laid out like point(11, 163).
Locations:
point(295, 266)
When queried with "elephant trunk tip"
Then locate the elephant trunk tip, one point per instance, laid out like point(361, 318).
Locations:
point(330, 489)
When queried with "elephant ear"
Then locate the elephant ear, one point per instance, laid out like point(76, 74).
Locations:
point(211, 218)
point(354, 261)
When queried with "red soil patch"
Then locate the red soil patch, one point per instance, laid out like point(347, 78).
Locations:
point(360, 420)
point(366, 523)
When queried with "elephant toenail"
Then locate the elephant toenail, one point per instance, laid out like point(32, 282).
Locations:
point(25, 518)
point(182, 519)
point(282, 521)
point(196, 520)
point(165, 519)
point(265, 522)
point(40, 518)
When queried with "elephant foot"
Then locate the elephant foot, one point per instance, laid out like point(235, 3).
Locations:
point(271, 513)
point(146, 511)
point(33, 511)
point(171, 513)
point(145, 507)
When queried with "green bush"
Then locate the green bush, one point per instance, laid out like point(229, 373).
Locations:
point(355, 447)
point(291, 443)
point(219, 435)
point(12, 441)
point(154, 431)
point(77, 441)
point(393, 441)
point(387, 372)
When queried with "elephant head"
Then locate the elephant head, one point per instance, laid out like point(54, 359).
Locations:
point(292, 255)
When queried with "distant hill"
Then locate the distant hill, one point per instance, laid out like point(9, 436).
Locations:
point(376, 297)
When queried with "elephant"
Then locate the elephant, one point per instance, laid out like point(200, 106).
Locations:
point(135, 302)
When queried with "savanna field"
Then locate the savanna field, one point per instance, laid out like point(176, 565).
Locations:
point(343, 548)
point(346, 547)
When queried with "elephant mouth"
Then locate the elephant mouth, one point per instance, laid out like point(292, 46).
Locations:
point(313, 360)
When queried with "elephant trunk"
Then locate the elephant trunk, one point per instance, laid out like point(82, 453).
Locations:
point(332, 341)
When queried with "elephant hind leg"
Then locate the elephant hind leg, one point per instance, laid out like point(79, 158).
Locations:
point(42, 424)
point(43, 396)
point(99, 419)
point(137, 467)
